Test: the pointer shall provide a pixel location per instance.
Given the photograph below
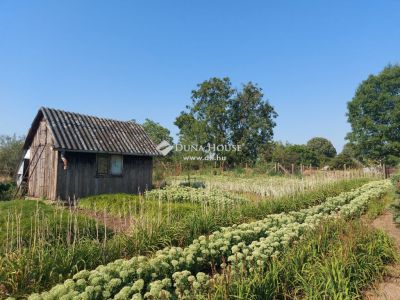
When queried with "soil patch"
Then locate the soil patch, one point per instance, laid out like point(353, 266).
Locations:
point(389, 287)
point(117, 224)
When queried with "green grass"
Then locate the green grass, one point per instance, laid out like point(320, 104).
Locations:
point(336, 261)
point(376, 208)
point(125, 205)
point(395, 207)
point(40, 244)
point(25, 222)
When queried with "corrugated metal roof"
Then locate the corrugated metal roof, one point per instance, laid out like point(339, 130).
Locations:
point(83, 133)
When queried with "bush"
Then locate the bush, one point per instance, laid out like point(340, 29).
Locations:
point(7, 190)
point(396, 182)
point(10, 154)
point(193, 184)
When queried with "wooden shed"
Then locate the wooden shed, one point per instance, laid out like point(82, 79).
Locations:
point(73, 155)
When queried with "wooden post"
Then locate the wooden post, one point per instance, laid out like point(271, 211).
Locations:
point(292, 168)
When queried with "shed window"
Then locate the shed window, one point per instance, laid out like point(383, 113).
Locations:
point(102, 164)
point(116, 164)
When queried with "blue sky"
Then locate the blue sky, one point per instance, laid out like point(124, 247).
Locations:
point(141, 59)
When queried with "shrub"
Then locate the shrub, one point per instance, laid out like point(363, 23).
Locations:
point(396, 182)
point(7, 190)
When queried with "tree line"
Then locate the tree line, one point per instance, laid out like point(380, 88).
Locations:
point(222, 114)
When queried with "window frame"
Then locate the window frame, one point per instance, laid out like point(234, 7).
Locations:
point(102, 156)
point(108, 157)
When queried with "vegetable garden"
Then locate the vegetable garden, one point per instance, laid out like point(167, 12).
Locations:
point(183, 242)
point(183, 273)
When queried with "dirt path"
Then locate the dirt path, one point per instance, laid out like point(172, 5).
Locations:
point(117, 224)
point(389, 287)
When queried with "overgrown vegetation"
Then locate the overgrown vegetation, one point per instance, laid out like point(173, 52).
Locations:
point(59, 251)
point(260, 186)
point(336, 261)
point(7, 190)
point(396, 203)
point(10, 154)
point(40, 244)
point(176, 272)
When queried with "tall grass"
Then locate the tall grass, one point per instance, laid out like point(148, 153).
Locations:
point(40, 244)
point(336, 261)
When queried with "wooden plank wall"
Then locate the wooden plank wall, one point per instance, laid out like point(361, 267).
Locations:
point(43, 165)
point(80, 178)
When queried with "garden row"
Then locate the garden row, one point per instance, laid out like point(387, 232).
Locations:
point(176, 272)
point(270, 186)
point(202, 196)
point(338, 260)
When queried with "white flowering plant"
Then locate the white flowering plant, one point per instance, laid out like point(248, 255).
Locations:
point(194, 195)
point(181, 273)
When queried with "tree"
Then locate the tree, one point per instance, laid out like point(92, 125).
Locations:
point(374, 116)
point(222, 115)
point(10, 154)
point(323, 148)
point(251, 123)
point(289, 154)
point(343, 160)
point(207, 118)
point(349, 150)
point(157, 132)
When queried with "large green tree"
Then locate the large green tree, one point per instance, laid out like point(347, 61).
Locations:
point(251, 123)
point(220, 114)
point(374, 116)
point(207, 119)
point(156, 132)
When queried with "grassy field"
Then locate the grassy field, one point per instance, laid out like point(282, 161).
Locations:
point(44, 245)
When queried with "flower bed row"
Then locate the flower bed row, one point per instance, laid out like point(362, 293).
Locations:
point(193, 195)
point(168, 274)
